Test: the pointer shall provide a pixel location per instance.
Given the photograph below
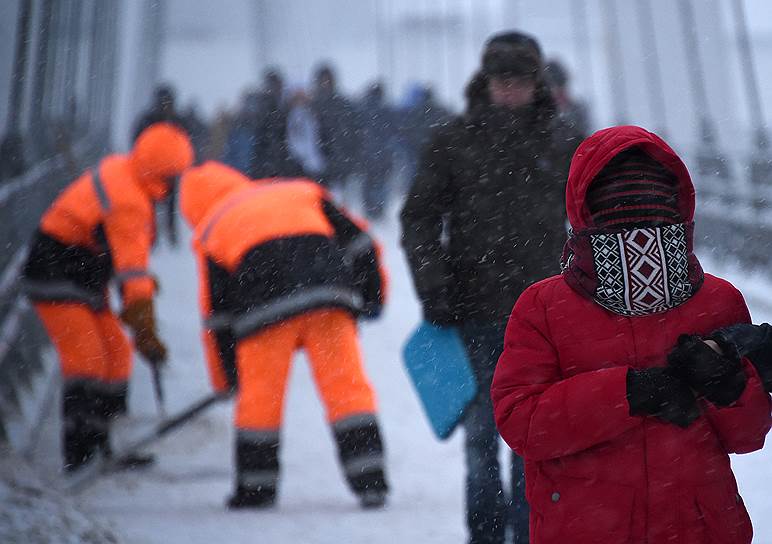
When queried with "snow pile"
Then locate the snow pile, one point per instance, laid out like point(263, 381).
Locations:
point(32, 512)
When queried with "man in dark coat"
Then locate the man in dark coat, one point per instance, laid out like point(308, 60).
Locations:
point(339, 127)
point(379, 132)
point(271, 157)
point(242, 134)
point(483, 220)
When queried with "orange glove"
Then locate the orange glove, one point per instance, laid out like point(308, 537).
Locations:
point(140, 317)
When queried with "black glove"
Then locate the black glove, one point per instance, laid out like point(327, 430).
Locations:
point(140, 317)
point(656, 392)
point(751, 341)
point(719, 378)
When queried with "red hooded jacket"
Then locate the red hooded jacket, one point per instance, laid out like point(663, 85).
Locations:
point(594, 473)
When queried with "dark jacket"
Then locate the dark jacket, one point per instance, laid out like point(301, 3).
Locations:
point(378, 125)
point(495, 179)
point(270, 156)
point(273, 251)
point(340, 134)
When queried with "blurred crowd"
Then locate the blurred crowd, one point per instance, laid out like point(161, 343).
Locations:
point(481, 195)
point(363, 148)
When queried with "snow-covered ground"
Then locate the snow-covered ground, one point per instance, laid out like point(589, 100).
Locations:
point(181, 499)
point(33, 512)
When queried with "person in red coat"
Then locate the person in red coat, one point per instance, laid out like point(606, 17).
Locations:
point(619, 444)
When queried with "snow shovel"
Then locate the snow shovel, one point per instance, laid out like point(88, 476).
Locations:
point(101, 465)
point(438, 365)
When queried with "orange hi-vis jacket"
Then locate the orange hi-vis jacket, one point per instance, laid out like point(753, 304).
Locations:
point(101, 227)
point(274, 249)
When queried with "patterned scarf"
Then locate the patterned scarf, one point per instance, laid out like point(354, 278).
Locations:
point(634, 272)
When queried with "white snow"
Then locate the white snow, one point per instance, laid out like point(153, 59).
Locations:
point(32, 512)
point(182, 498)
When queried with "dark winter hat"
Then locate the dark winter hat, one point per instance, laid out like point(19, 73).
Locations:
point(512, 54)
point(632, 191)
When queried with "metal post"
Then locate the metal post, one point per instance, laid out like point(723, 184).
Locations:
point(749, 73)
point(761, 161)
point(710, 161)
point(53, 69)
point(95, 64)
point(656, 92)
point(615, 63)
point(59, 127)
point(583, 44)
point(147, 63)
point(41, 68)
point(109, 65)
point(63, 54)
point(114, 53)
point(73, 54)
point(93, 54)
point(19, 75)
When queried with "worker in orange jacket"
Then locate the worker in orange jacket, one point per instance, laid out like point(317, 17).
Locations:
point(282, 268)
point(101, 229)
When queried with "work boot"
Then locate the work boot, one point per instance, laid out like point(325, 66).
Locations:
point(83, 429)
point(370, 499)
point(252, 498)
point(76, 458)
point(131, 461)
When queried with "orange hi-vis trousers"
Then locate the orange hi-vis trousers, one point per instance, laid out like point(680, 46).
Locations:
point(91, 345)
point(95, 358)
point(329, 337)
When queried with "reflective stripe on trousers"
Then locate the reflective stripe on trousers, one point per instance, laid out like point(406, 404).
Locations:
point(61, 290)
